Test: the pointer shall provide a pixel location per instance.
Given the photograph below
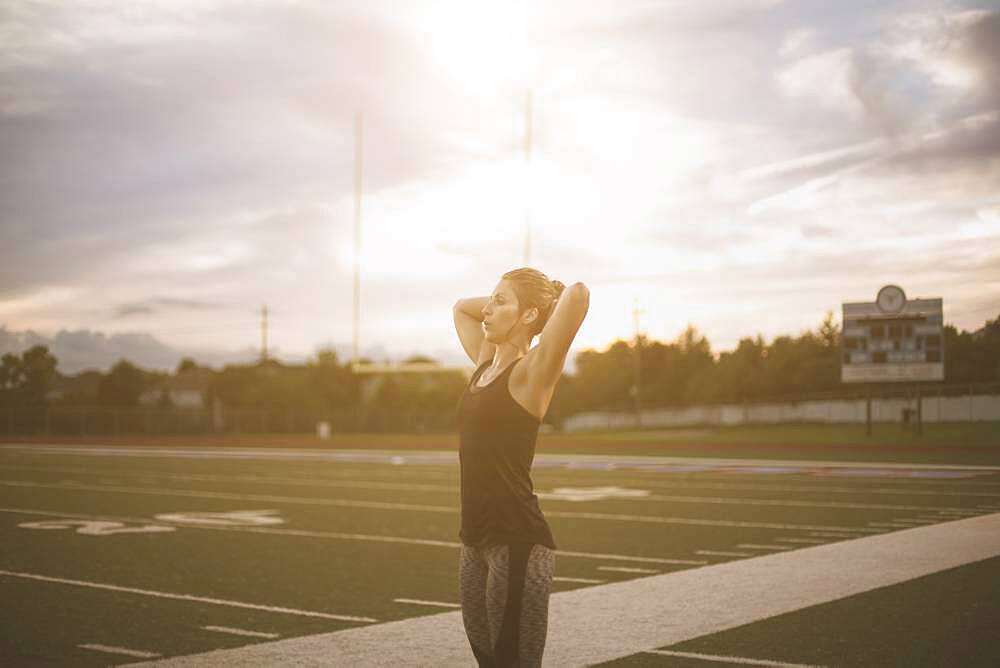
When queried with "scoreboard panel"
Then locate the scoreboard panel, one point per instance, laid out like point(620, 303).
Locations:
point(892, 339)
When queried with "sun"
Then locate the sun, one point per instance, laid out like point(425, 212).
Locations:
point(482, 47)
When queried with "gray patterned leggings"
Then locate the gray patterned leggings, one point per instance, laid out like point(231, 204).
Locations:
point(505, 602)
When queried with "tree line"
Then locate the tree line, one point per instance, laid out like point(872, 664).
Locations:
point(681, 372)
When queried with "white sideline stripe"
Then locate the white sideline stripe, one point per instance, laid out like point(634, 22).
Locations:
point(813, 541)
point(626, 569)
point(731, 659)
point(423, 487)
point(242, 632)
point(373, 455)
point(895, 525)
point(548, 473)
point(416, 601)
point(121, 650)
point(583, 580)
point(185, 597)
point(757, 546)
point(346, 536)
point(718, 553)
point(596, 624)
point(382, 505)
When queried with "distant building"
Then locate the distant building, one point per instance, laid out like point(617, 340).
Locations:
point(187, 389)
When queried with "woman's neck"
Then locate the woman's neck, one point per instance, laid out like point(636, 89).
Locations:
point(507, 352)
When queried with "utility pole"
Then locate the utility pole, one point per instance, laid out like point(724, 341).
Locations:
point(637, 353)
point(527, 176)
point(358, 154)
point(263, 334)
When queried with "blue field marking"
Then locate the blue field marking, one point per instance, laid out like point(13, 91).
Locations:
point(645, 464)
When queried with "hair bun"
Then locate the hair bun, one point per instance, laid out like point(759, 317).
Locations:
point(558, 287)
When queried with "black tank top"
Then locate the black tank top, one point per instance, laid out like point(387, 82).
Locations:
point(496, 448)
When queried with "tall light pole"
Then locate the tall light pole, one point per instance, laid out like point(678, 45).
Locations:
point(638, 362)
point(358, 155)
point(527, 176)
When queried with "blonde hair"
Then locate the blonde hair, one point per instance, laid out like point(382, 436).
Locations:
point(535, 289)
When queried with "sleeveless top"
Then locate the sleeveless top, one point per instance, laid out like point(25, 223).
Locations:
point(496, 448)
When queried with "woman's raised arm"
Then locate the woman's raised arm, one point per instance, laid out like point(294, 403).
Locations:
point(468, 315)
point(558, 334)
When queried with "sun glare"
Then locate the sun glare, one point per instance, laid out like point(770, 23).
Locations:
point(483, 47)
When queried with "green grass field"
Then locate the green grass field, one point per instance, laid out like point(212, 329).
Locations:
point(139, 549)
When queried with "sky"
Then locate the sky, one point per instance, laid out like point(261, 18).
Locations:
point(169, 167)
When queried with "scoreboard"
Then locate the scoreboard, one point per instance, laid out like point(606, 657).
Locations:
point(892, 339)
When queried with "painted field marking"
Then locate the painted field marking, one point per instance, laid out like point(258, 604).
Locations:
point(814, 541)
point(231, 518)
point(626, 569)
point(578, 494)
point(573, 494)
point(242, 632)
point(832, 534)
point(366, 537)
point(416, 601)
point(583, 580)
point(788, 503)
point(757, 546)
point(592, 625)
point(891, 525)
point(121, 650)
point(95, 528)
point(382, 505)
point(719, 553)
point(544, 473)
point(651, 464)
point(185, 597)
point(730, 659)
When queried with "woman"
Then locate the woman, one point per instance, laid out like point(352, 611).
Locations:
point(508, 553)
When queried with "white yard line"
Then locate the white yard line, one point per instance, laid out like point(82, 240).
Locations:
point(383, 505)
point(343, 536)
point(731, 659)
point(626, 569)
point(451, 457)
point(813, 541)
point(121, 650)
point(417, 601)
point(644, 481)
point(582, 580)
point(719, 553)
point(756, 546)
point(891, 525)
point(184, 597)
point(242, 632)
point(420, 487)
point(597, 624)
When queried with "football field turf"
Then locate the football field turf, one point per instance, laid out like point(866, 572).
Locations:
point(117, 554)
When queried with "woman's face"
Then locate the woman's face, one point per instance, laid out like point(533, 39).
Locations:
point(501, 313)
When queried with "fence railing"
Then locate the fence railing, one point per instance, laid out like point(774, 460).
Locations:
point(903, 406)
point(102, 421)
point(941, 403)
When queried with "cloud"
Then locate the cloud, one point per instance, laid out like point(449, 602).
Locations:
point(173, 167)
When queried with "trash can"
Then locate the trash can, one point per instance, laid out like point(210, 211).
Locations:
point(908, 414)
